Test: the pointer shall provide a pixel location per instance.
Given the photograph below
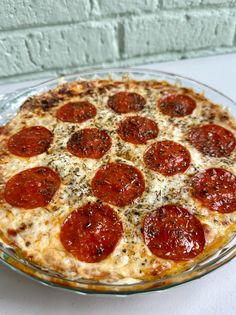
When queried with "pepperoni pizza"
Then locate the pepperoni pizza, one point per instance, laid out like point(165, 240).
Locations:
point(118, 180)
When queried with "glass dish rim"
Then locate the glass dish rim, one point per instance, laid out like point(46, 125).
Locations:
point(228, 254)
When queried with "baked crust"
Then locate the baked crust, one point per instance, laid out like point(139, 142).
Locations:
point(35, 233)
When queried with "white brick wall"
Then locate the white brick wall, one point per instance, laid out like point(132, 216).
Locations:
point(58, 36)
point(178, 31)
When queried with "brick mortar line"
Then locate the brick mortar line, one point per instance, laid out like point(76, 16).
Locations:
point(116, 17)
point(121, 39)
point(198, 7)
point(234, 35)
point(124, 62)
point(181, 52)
point(160, 4)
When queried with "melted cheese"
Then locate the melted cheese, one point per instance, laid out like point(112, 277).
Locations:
point(38, 229)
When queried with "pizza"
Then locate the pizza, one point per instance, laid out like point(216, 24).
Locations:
point(118, 180)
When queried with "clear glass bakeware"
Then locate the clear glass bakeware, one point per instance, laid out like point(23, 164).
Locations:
point(9, 105)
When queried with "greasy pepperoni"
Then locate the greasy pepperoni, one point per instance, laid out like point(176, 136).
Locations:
point(171, 232)
point(30, 141)
point(212, 140)
point(126, 102)
point(176, 105)
point(137, 130)
point(215, 188)
point(91, 232)
point(76, 112)
point(89, 143)
point(167, 157)
point(118, 184)
point(32, 188)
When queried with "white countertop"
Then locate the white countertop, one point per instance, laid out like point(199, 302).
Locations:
point(214, 294)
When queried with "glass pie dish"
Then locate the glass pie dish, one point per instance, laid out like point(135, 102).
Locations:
point(10, 103)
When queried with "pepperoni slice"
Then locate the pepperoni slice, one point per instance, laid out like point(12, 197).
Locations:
point(89, 143)
point(91, 232)
point(118, 184)
point(30, 141)
point(137, 130)
point(176, 105)
point(215, 188)
point(167, 157)
point(171, 232)
point(212, 140)
point(76, 112)
point(126, 102)
point(32, 188)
